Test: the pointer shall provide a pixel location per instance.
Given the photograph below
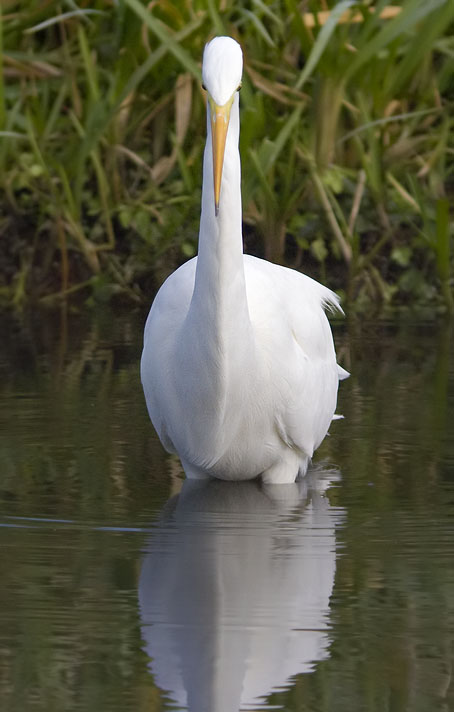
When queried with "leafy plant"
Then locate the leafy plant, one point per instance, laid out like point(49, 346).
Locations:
point(346, 144)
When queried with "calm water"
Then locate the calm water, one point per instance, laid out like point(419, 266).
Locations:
point(123, 588)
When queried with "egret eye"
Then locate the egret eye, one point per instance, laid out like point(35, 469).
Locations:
point(238, 87)
point(204, 87)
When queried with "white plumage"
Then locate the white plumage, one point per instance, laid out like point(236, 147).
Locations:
point(238, 367)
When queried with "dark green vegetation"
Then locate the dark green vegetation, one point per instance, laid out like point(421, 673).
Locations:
point(347, 145)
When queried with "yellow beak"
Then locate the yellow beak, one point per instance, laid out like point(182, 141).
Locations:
point(220, 116)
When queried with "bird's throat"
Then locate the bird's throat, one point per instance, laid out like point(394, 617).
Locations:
point(219, 304)
point(219, 280)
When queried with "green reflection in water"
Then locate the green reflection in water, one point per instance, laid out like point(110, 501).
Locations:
point(76, 446)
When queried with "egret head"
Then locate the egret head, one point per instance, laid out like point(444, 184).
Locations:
point(222, 68)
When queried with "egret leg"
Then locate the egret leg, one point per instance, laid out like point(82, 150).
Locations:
point(303, 465)
point(284, 471)
point(193, 472)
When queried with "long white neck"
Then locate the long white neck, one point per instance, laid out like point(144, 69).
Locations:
point(217, 334)
point(220, 290)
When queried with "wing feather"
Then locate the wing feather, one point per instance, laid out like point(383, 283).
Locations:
point(300, 347)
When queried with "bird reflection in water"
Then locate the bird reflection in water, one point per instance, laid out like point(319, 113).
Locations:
point(235, 588)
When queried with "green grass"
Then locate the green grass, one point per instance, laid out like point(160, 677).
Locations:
point(346, 146)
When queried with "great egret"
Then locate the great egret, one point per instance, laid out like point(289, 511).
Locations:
point(238, 366)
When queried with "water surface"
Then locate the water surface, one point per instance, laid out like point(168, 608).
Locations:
point(124, 588)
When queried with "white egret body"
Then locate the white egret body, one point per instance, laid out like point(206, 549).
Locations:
point(238, 366)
